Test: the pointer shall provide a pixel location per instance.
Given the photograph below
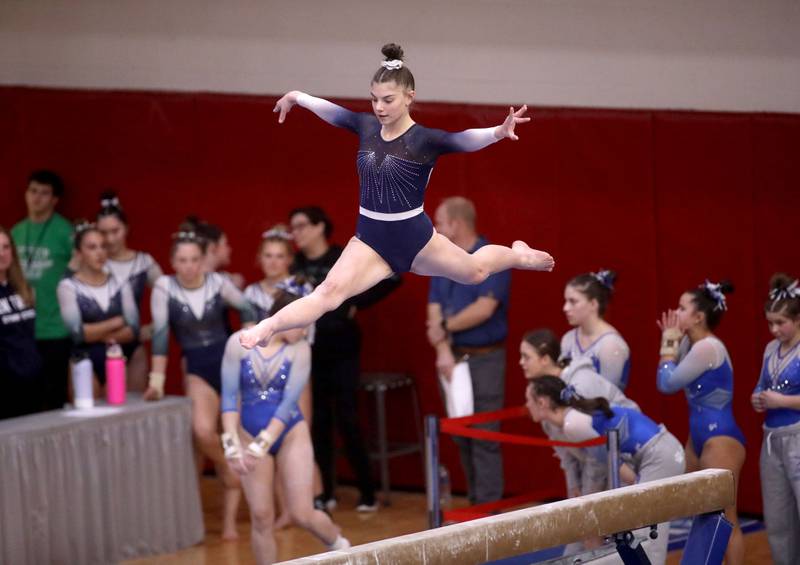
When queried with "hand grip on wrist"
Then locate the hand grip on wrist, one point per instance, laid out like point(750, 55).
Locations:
point(260, 445)
point(156, 382)
point(670, 342)
point(231, 445)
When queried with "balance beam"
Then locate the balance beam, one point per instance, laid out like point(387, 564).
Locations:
point(549, 525)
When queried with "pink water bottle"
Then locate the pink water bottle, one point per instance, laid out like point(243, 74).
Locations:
point(115, 374)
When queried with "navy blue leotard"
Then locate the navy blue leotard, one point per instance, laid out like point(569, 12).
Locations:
point(393, 176)
point(81, 303)
point(199, 319)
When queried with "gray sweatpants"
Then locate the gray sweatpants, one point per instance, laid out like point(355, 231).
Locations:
point(780, 490)
point(482, 460)
point(661, 457)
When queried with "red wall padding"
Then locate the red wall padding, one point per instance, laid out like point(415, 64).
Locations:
point(665, 198)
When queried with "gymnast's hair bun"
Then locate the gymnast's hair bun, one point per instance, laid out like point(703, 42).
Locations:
point(109, 199)
point(726, 287)
point(111, 206)
point(780, 281)
point(606, 278)
point(191, 222)
point(393, 68)
point(784, 296)
point(392, 51)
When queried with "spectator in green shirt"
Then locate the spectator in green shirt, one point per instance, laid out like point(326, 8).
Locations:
point(44, 241)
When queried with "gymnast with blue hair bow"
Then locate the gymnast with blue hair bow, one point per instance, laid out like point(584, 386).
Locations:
point(648, 448)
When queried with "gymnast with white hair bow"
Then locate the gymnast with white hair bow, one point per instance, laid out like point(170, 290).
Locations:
point(395, 159)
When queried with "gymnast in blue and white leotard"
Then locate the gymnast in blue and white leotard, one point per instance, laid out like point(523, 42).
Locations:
point(778, 395)
point(703, 371)
point(650, 449)
point(693, 359)
point(585, 470)
point(395, 160)
point(586, 298)
point(780, 373)
point(609, 355)
point(266, 386)
point(275, 257)
point(699, 364)
point(260, 389)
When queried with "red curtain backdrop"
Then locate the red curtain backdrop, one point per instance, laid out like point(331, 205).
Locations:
point(664, 198)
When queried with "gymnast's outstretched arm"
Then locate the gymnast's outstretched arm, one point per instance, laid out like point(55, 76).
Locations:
point(475, 139)
point(332, 113)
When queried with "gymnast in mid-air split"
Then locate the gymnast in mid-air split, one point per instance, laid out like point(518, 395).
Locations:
point(395, 160)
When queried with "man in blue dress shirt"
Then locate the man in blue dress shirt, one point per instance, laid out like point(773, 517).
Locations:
point(470, 322)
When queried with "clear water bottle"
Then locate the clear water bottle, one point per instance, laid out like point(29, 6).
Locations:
point(445, 492)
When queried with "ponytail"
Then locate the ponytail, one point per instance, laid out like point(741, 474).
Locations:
point(565, 396)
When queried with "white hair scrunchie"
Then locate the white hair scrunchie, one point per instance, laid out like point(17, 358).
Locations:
point(110, 202)
point(392, 65)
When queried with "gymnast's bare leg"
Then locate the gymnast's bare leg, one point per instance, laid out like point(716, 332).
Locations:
point(360, 267)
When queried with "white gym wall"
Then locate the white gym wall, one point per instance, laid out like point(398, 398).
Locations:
point(737, 55)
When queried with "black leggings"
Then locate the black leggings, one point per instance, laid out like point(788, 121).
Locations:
point(335, 402)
